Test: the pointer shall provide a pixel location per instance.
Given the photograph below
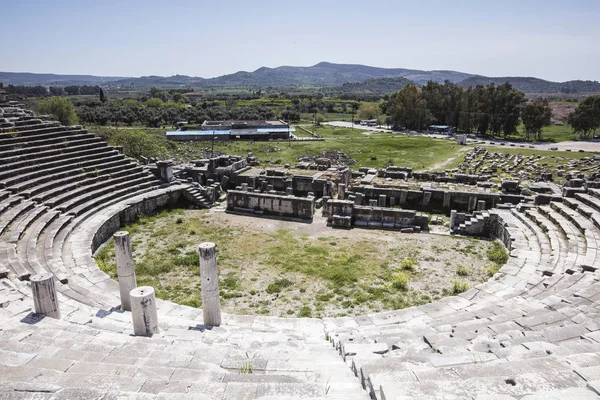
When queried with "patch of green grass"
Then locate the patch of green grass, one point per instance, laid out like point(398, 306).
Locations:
point(408, 264)
point(399, 280)
point(497, 254)
point(459, 286)
point(491, 269)
point(304, 312)
point(340, 265)
point(463, 270)
point(279, 285)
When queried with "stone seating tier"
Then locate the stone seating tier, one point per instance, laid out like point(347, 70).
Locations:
point(530, 332)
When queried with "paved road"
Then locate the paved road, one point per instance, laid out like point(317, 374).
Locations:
point(585, 145)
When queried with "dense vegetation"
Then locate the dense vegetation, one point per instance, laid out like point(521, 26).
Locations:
point(486, 110)
point(585, 120)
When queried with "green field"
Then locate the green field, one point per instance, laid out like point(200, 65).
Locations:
point(291, 269)
point(375, 149)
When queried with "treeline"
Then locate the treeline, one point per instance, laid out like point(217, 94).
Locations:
point(34, 91)
point(486, 110)
point(154, 112)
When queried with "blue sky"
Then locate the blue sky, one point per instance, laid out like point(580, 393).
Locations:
point(550, 39)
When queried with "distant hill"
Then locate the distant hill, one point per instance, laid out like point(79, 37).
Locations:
point(329, 74)
point(31, 79)
point(333, 77)
point(322, 74)
point(535, 85)
point(376, 86)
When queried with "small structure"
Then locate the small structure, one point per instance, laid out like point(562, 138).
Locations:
point(461, 140)
point(236, 130)
point(441, 129)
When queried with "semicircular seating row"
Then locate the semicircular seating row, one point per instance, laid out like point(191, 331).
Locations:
point(532, 330)
point(62, 192)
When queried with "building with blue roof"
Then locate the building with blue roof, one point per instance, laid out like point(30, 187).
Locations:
point(235, 130)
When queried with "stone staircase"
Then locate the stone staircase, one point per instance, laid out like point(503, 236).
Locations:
point(198, 196)
point(477, 224)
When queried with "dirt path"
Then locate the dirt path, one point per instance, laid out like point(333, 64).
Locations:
point(443, 164)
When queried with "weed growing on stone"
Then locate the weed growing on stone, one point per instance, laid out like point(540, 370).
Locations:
point(459, 286)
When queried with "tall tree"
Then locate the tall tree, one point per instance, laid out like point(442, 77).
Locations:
point(103, 97)
point(407, 107)
point(536, 115)
point(586, 117)
point(368, 111)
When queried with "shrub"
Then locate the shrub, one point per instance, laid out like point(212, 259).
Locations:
point(408, 264)
point(459, 286)
point(305, 312)
point(463, 270)
point(278, 285)
point(491, 269)
point(61, 107)
point(399, 280)
point(497, 254)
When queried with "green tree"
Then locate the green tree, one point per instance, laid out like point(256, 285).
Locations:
point(407, 107)
point(536, 115)
point(586, 117)
point(154, 102)
point(319, 119)
point(368, 111)
point(103, 97)
point(158, 94)
point(61, 107)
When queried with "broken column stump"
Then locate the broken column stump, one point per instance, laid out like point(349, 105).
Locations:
point(143, 311)
point(45, 299)
point(125, 268)
point(211, 302)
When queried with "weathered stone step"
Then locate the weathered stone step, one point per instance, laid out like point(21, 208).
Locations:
point(8, 203)
point(35, 148)
point(20, 225)
point(63, 157)
point(40, 153)
point(43, 169)
point(50, 181)
point(13, 213)
point(87, 199)
point(18, 133)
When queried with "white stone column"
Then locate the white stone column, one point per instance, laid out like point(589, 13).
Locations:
point(211, 302)
point(143, 311)
point(45, 300)
point(125, 267)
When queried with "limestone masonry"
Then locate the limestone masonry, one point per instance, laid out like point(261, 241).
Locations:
point(530, 332)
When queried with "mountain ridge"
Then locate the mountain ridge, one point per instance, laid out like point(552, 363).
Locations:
point(323, 74)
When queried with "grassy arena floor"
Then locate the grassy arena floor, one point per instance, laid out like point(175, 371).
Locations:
point(282, 268)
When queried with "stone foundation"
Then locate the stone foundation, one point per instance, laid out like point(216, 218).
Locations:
point(271, 204)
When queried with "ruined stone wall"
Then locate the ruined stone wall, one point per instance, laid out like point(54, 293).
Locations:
point(148, 206)
point(435, 200)
point(368, 216)
point(270, 204)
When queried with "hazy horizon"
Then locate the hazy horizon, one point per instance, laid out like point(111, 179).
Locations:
point(550, 39)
